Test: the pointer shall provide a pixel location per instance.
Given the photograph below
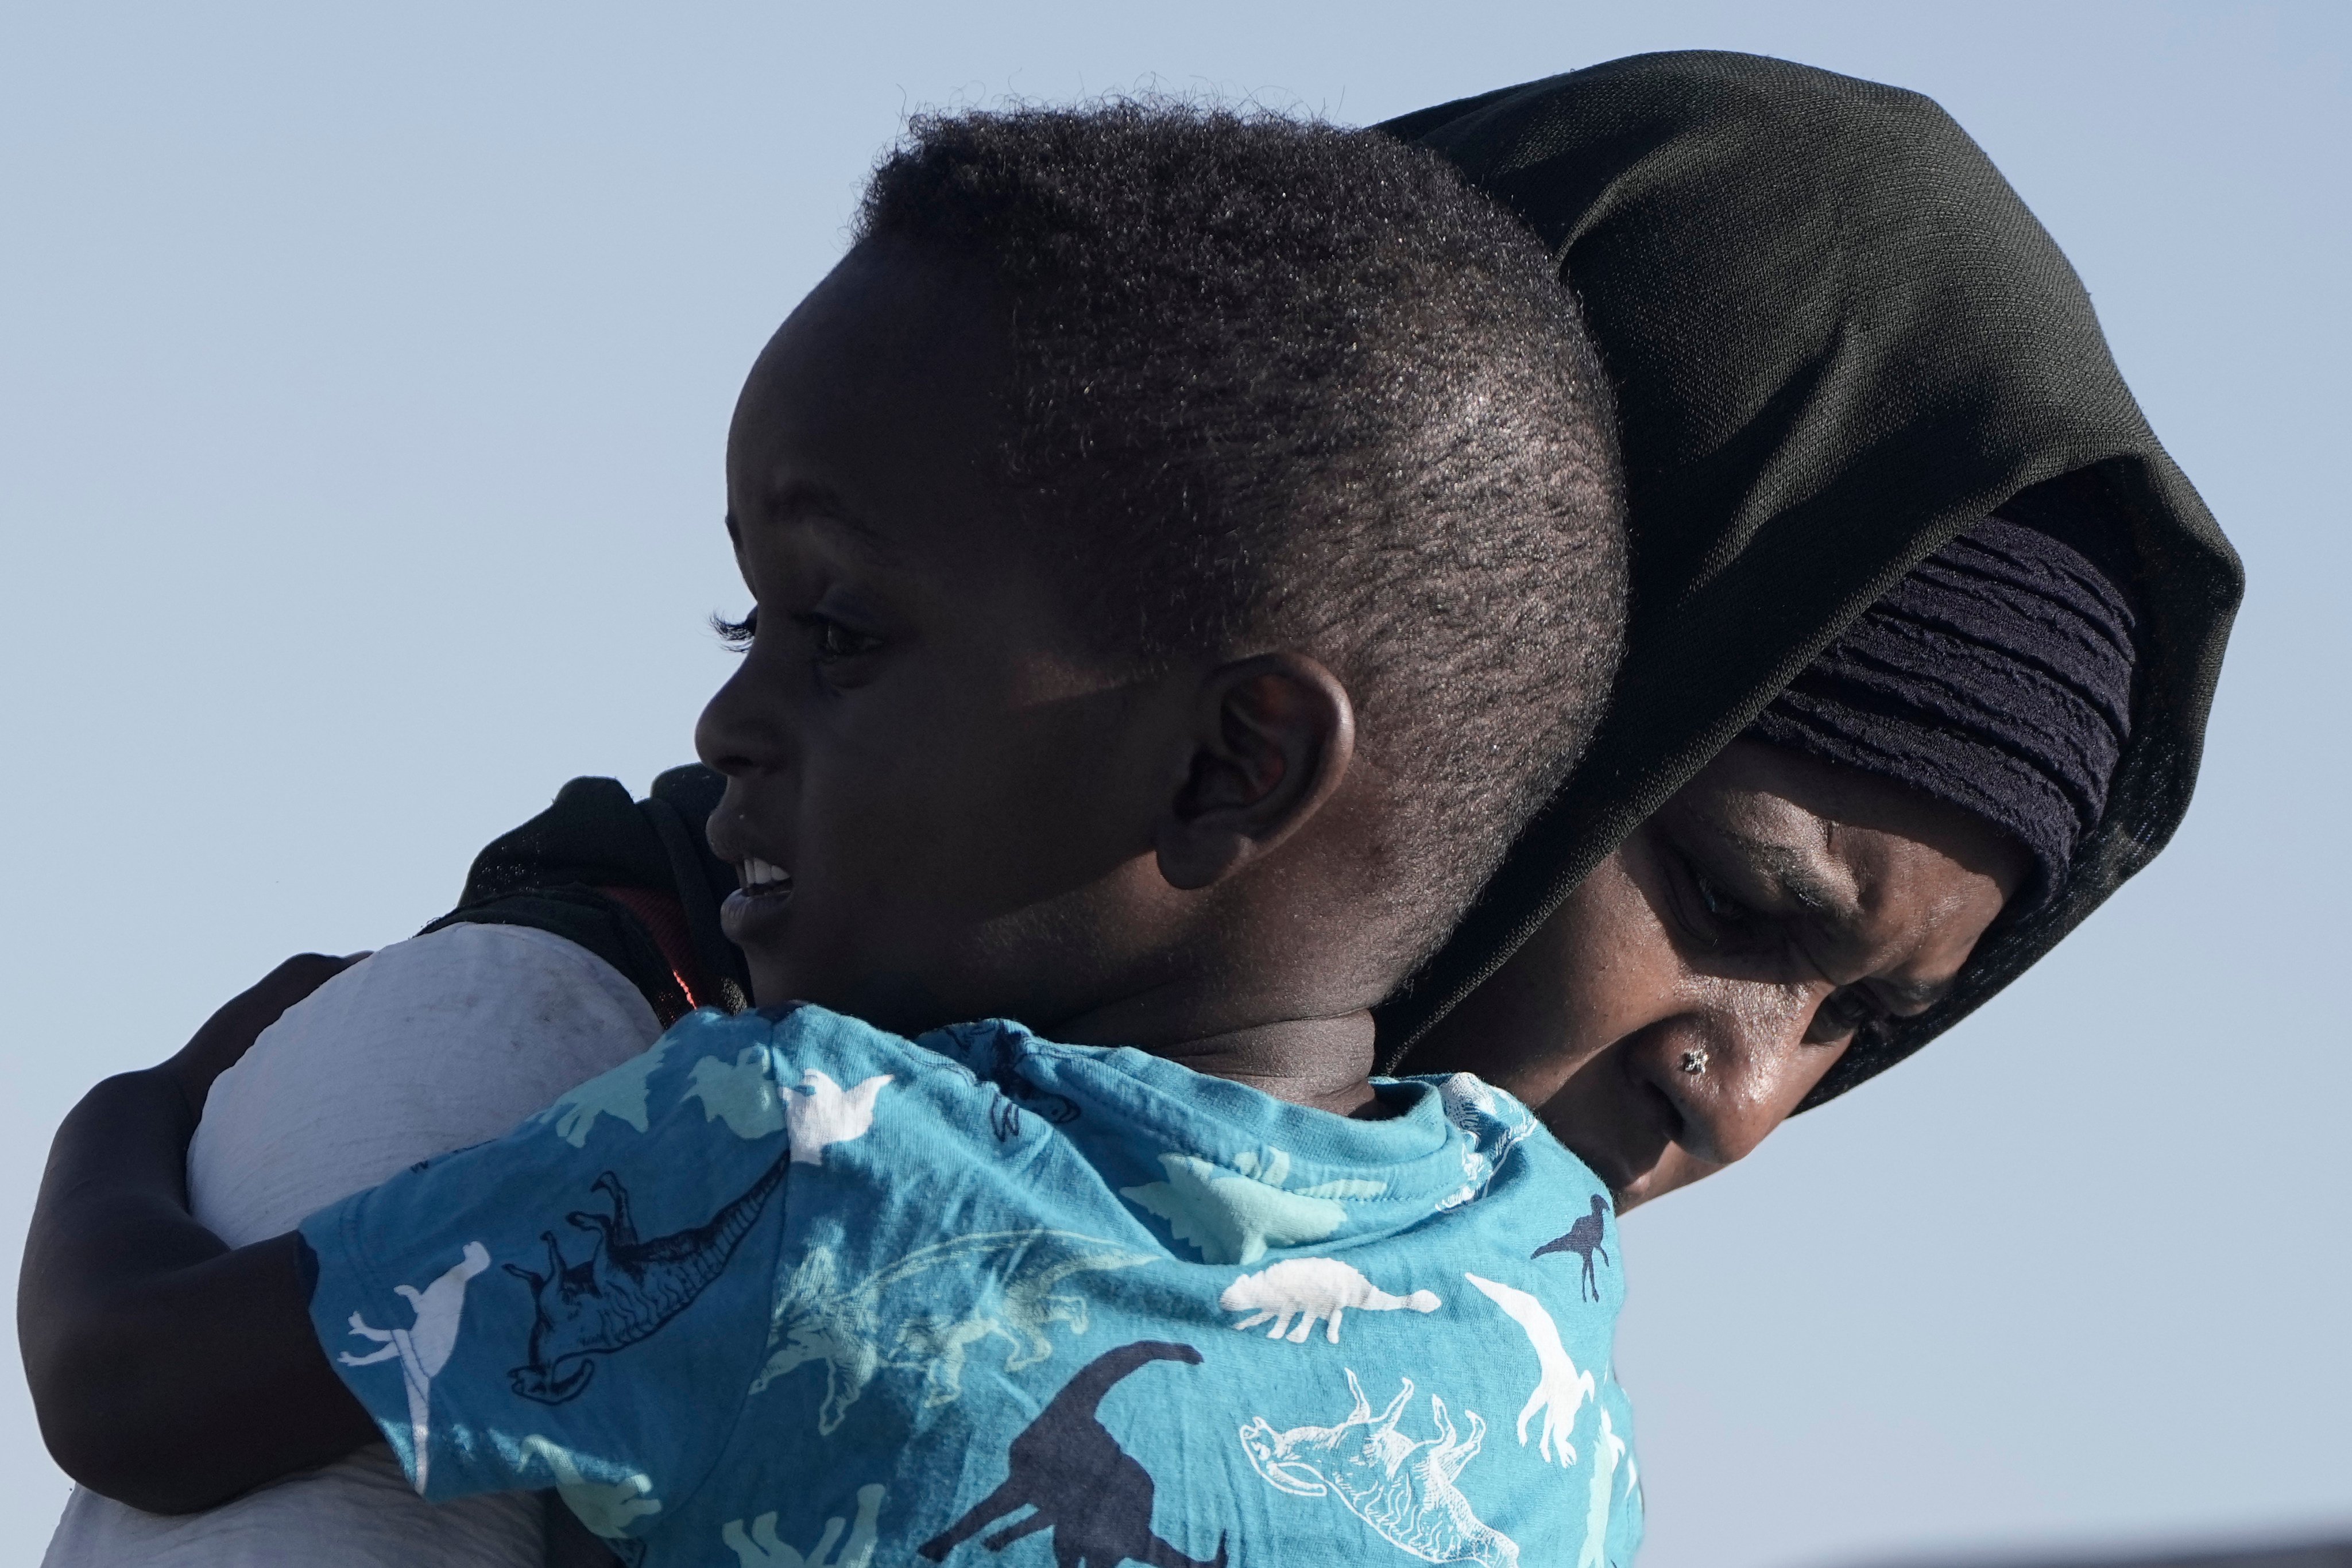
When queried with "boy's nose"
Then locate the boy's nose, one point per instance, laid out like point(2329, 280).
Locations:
point(739, 733)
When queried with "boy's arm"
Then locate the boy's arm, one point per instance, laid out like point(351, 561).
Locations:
point(473, 1346)
point(167, 1371)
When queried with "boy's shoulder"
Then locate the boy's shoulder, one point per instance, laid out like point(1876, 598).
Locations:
point(749, 1070)
point(817, 1076)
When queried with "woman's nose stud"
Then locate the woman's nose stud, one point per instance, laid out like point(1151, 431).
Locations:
point(1695, 1060)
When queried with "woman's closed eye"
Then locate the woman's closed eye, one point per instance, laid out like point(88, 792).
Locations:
point(1720, 905)
point(1714, 917)
point(1848, 1011)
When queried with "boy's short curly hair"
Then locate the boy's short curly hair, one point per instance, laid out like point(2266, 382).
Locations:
point(1282, 384)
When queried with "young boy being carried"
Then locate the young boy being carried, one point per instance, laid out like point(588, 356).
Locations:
point(1185, 548)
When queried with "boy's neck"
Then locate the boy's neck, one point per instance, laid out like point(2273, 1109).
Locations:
point(1323, 1063)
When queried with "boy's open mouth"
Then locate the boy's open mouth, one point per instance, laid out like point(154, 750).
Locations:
point(766, 890)
point(759, 877)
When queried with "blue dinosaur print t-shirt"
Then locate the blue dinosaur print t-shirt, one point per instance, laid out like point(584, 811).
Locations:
point(788, 1290)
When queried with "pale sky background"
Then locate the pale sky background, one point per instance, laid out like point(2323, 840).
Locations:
point(363, 372)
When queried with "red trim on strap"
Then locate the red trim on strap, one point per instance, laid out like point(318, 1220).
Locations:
point(664, 918)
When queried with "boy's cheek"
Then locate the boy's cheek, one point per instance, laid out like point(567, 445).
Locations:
point(955, 837)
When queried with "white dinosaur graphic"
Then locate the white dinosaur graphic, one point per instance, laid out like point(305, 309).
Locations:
point(1233, 1215)
point(828, 1114)
point(608, 1508)
point(620, 1094)
point(762, 1549)
point(1607, 1450)
point(1559, 1387)
point(852, 1331)
point(1311, 1288)
point(744, 1094)
point(1402, 1489)
point(423, 1348)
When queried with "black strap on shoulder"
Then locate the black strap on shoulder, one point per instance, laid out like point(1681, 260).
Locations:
point(679, 809)
point(547, 874)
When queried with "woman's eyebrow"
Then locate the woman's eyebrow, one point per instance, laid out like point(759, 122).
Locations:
point(1916, 996)
point(1801, 880)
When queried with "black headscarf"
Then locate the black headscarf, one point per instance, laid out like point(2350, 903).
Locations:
point(1839, 341)
point(1996, 676)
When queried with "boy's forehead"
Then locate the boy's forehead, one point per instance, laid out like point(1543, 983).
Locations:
point(876, 401)
point(887, 325)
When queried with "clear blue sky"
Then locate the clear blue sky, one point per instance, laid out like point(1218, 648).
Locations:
point(364, 372)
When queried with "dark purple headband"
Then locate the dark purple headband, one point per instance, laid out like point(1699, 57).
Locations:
point(1997, 677)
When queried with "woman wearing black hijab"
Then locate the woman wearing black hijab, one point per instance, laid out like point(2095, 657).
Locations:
point(1925, 622)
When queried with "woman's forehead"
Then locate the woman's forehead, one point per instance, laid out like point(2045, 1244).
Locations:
point(1879, 874)
point(1795, 799)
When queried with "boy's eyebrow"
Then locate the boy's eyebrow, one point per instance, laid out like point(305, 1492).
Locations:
point(806, 501)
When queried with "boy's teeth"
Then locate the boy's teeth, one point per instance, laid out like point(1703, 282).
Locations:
point(756, 873)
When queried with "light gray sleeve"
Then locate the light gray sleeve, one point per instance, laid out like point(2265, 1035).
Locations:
point(432, 1044)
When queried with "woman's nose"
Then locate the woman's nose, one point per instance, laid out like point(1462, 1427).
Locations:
point(1737, 1068)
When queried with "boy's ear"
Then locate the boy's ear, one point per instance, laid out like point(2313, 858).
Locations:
point(1272, 737)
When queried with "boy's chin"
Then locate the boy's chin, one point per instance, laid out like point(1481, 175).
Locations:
point(895, 1000)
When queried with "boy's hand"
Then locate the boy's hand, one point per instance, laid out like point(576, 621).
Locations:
point(230, 1033)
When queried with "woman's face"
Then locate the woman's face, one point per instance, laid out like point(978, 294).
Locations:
point(1699, 984)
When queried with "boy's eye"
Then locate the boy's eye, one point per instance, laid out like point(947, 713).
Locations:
point(738, 634)
point(833, 640)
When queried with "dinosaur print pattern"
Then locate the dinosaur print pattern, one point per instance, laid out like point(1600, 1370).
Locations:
point(745, 1095)
point(1083, 1486)
point(609, 1508)
point(1560, 1388)
point(857, 1331)
point(1405, 1490)
point(423, 1348)
point(760, 1548)
point(1233, 1215)
point(1607, 1450)
point(1473, 1106)
point(628, 1288)
point(827, 1113)
point(742, 1093)
point(625, 1288)
point(1312, 1288)
point(1015, 1093)
point(620, 1094)
point(1583, 1239)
